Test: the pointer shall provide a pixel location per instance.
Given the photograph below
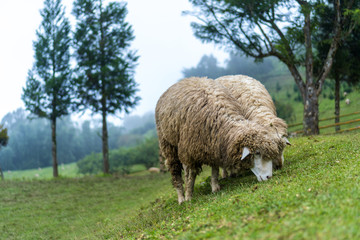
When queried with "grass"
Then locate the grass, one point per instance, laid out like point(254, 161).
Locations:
point(65, 208)
point(315, 196)
point(65, 170)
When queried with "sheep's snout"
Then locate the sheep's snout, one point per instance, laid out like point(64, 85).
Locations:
point(262, 169)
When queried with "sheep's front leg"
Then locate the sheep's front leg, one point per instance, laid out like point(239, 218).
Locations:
point(215, 179)
point(225, 173)
point(190, 177)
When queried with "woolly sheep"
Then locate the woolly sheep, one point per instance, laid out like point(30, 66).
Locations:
point(347, 101)
point(154, 170)
point(199, 122)
point(257, 105)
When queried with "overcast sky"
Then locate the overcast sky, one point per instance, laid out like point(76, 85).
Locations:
point(163, 38)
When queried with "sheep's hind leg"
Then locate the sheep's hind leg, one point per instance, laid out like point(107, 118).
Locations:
point(177, 181)
point(215, 187)
point(190, 176)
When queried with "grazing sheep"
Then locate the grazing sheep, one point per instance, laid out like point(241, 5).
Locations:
point(347, 101)
point(154, 170)
point(199, 122)
point(257, 105)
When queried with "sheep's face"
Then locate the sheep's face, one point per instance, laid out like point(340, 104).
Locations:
point(262, 168)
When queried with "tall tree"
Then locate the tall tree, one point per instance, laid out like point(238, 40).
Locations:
point(343, 69)
point(4, 138)
point(104, 80)
point(47, 93)
point(273, 28)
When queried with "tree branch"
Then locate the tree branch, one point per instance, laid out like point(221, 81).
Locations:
point(332, 50)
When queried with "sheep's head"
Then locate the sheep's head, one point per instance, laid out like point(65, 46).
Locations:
point(262, 168)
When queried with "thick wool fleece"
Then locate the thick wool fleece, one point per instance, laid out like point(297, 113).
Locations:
point(256, 102)
point(199, 122)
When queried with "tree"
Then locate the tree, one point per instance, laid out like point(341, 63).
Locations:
point(4, 138)
point(104, 77)
point(47, 93)
point(342, 70)
point(208, 66)
point(275, 28)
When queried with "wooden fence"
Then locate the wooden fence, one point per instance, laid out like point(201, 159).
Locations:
point(331, 125)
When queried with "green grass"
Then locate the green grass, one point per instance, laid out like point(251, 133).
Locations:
point(65, 170)
point(82, 208)
point(315, 196)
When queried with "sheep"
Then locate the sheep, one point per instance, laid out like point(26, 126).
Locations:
point(154, 170)
point(258, 106)
point(199, 123)
point(347, 101)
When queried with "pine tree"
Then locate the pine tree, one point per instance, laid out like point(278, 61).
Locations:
point(104, 80)
point(48, 89)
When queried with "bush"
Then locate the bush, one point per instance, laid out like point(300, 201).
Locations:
point(121, 160)
point(90, 164)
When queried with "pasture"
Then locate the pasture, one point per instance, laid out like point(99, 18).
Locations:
point(315, 196)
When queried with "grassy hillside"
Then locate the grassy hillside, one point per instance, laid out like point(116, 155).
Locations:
point(315, 196)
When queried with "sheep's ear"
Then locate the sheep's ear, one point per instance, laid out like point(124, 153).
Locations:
point(245, 153)
point(287, 141)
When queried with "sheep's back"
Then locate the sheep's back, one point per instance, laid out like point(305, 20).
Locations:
point(192, 115)
point(255, 100)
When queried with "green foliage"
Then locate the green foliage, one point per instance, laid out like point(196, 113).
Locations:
point(284, 111)
point(121, 160)
point(208, 67)
point(4, 138)
point(105, 64)
point(342, 69)
point(48, 90)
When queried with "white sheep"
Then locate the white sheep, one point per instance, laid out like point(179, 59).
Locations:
point(199, 122)
point(154, 170)
point(257, 105)
point(347, 101)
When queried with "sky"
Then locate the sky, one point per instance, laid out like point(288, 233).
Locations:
point(163, 38)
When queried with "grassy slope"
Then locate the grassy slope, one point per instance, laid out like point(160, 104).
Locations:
point(315, 196)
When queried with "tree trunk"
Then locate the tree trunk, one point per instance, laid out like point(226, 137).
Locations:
point(105, 144)
point(53, 148)
point(2, 174)
point(311, 111)
point(337, 102)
